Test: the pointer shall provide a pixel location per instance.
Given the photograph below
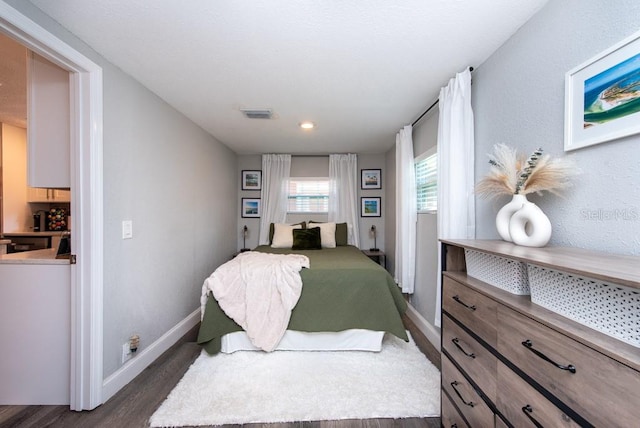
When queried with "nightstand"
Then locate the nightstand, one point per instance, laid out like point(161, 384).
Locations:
point(377, 256)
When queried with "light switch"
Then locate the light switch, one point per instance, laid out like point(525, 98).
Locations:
point(127, 229)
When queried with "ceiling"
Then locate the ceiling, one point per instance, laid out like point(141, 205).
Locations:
point(359, 69)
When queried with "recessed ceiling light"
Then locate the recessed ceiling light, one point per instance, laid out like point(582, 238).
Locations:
point(307, 125)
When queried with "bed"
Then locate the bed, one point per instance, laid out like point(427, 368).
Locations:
point(347, 302)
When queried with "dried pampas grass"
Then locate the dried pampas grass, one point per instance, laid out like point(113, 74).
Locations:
point(513, 174)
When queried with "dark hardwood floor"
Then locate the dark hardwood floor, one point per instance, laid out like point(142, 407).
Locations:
point(134, 404)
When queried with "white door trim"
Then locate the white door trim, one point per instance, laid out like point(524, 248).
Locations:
point(86, 202)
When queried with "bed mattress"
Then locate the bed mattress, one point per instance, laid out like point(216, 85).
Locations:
point(348, 340)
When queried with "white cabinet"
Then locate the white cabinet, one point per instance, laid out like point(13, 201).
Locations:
point(35, 334)
point(36, 194)
point(49, 123)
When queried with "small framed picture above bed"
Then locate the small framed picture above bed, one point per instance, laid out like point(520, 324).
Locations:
point(251, 207)
point(251, 180)
point(370, 207)
point(370, 179)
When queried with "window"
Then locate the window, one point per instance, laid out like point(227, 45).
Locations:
point(427, 181)
point(308, 195)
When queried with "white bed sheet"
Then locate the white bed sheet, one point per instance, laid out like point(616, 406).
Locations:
point(347, 340)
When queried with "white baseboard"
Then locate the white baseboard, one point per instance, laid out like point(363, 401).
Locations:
point(132, 368)
point(425, 328)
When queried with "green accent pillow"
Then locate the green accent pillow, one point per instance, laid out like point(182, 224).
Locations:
point(272, 230)
point(306, 239)
point(342, 234)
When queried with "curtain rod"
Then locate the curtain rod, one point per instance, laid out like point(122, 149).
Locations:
point(435, 103)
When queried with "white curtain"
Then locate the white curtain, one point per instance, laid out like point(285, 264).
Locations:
point(275, 180)
point(406, 211)
point(456, 202)
point(343, 193)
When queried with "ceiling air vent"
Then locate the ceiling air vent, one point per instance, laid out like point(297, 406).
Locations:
point(257, 113)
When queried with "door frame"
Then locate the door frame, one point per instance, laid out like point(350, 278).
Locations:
point(86, 99)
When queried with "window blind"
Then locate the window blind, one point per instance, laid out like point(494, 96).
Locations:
point(308, 195)
point(427, 183)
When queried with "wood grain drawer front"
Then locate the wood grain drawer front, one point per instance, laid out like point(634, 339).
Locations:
point(476, 360)
point(471, 308)
point(500, 423)
point(523, 406)
point(603, 391)
point(474, 409)
point(450, 416)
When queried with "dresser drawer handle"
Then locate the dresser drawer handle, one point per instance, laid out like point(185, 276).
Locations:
point(457, 299)
point(527, 344)
point(527, 410)
point(453, 385)
point(456, 342)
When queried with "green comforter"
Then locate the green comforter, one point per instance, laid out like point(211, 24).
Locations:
point(342, 290)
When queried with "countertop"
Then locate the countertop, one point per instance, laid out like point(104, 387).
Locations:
point(35, 257)
point(32, 233)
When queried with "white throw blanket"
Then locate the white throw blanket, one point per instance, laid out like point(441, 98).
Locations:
point(258, 291)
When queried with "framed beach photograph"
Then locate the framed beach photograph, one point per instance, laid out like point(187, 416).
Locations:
point(252, 180)
point(370, 207)
point(251, 207)
point(602, 96)
point(371, 179)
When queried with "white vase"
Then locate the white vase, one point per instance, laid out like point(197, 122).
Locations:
point(529, 226)
point(505, 213)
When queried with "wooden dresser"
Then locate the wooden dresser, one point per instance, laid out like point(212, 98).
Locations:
point(508, 362)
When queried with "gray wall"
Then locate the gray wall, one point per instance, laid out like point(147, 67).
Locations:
point(518, 99)
point(317, 166)
point(247, 162)
point(390, 208)
point(374, 161)
point(425, 137)
point(177, 184)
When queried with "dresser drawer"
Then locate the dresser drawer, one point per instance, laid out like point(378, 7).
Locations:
point(599, 388)
point(450, 417)
point(474, 409)
point(500, 423)
point(476, 360)
point(471, 308)
point(522, 405)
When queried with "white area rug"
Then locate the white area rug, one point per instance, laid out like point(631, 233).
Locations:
point(286, 386)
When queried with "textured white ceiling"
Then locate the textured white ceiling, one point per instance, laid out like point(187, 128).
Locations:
point(359, 69)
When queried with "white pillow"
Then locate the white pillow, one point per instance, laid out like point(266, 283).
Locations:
point(283, 235)
point(327, 234)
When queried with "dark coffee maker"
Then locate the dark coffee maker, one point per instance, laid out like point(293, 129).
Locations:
point(36, 222)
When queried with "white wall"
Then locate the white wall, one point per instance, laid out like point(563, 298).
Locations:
point(16, 216)
point(177, 184)
point(518, 99)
